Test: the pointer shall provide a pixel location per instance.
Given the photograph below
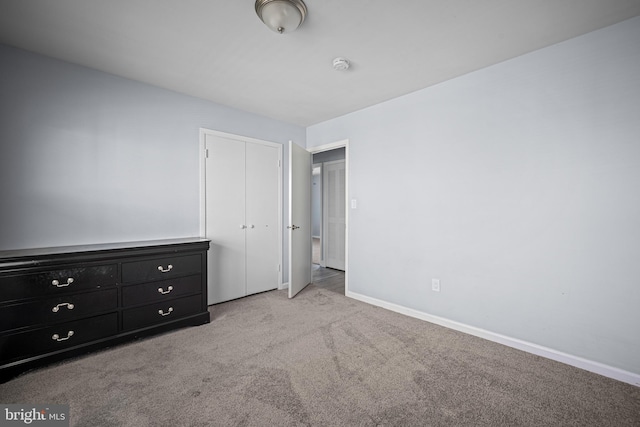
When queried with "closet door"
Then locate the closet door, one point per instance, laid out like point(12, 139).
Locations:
point(334, 214)
point(242, 192)
point(262, 197)
point(225, 219)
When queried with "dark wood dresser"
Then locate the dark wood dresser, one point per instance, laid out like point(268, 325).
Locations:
point(64, 301)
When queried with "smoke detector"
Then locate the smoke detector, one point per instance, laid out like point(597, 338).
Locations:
point(340, 64)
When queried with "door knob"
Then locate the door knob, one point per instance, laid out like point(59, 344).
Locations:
point(242, 227)
point(293, 227)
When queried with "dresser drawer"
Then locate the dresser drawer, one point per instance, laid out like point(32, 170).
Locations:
point(58, 309)
point(160, 291)
point(160, 268)
point(20, 286)
point(58, 337)
point(161, 312)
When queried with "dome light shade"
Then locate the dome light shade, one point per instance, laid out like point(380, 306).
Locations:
point(281, 16)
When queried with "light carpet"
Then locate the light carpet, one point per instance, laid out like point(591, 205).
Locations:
point(322, 359)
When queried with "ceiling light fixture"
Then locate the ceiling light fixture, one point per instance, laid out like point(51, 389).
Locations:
point(282, 16)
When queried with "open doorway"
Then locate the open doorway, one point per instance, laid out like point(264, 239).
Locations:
point(328, 223)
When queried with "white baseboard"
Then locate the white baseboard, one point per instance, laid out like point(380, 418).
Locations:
point(283, 286)
point(549, 353)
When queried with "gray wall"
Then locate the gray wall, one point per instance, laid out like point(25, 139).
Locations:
point(329, 155)
point(88, 157)
point(518, 186)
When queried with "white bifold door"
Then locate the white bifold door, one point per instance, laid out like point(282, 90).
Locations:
point(334, 218)
point(242, 194)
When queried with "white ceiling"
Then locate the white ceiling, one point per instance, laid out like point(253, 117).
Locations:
point(220, 50)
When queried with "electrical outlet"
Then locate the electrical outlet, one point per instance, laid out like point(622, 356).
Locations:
point(435, 285)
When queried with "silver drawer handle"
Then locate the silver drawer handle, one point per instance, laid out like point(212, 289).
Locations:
point(168, 269)
point(56, 283)
point(162, 313)
point(69, 305)
point(56, 337)
point(163, 292)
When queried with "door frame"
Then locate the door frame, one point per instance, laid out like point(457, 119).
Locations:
point(202, 158)
point(332, 146)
